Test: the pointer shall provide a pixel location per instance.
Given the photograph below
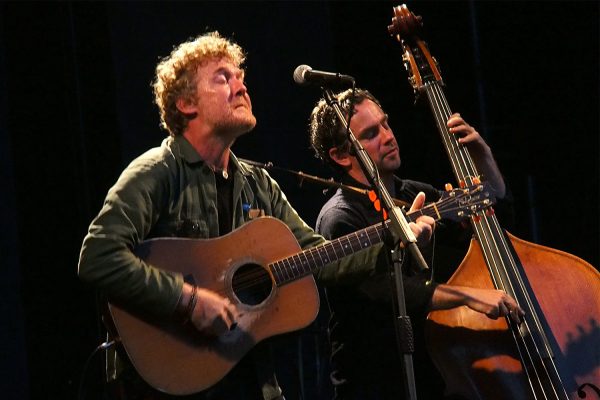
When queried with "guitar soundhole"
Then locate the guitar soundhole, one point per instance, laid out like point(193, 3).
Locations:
point(251, 284)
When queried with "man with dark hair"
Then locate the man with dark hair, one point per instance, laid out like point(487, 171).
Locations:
point(364, 356)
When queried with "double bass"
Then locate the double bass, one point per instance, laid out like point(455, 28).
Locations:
point(555, 352)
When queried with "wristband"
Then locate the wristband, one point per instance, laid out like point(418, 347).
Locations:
point(186, 314)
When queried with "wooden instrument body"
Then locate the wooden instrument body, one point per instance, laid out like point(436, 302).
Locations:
point(569, 299)
point(261, 269)
point(182, 361)
point(555, 352)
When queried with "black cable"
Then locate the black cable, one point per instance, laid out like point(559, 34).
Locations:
point(432, 265)
point(103, 346)
point(350, 114)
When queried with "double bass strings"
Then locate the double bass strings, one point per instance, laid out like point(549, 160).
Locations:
point(500, 267)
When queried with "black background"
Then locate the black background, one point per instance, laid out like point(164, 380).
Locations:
point(76, 107)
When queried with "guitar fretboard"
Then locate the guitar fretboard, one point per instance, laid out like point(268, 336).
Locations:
point(310, 260)
point(457, 203)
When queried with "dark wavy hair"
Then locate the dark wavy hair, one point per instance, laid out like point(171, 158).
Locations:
point(326, 130)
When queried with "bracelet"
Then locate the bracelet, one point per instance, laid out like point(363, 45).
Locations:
point(187, 316)
point(184, 314)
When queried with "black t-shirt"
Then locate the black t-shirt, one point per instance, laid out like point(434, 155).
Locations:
point(364, 353)
point(224, 202)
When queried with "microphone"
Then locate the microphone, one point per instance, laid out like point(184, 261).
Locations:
point(305, 75)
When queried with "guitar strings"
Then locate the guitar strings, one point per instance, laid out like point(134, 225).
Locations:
point(258, 278)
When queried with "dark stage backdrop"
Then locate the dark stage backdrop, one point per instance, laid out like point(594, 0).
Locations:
point(76, 107)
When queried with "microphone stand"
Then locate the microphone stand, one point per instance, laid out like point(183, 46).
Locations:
point(399, 227)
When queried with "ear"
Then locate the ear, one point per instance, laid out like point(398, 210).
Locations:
point(186, 106)
point(340, 156)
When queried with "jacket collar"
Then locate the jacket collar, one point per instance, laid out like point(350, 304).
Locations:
point(191, 156)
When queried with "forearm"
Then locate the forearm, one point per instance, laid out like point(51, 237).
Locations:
point(107, 259)
point(351, 269)
point(187, 302)
point(447, 296)
point(480, 151)
point(125, 279)
point(491, 302)
point(487, 166)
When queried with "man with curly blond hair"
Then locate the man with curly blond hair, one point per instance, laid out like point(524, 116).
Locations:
point(176, 76)
point(192, 186)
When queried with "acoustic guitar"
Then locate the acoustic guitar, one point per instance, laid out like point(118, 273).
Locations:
point(262, 270)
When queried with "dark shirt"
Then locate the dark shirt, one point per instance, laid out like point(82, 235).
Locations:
point(169, 191)
point(364, 353)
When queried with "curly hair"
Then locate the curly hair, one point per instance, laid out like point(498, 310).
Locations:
point(326, 130)
point(176, 75)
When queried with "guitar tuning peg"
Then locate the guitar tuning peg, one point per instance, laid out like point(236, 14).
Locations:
point(372, 195)
point(377, 205)
point(448, 187)
point(476, 180)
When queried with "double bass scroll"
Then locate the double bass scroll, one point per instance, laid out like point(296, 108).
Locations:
point(555, 352)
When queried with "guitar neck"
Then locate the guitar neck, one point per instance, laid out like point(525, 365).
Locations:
point(310, 260)
point(457, 203)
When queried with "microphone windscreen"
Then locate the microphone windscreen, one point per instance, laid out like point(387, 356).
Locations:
point(299, 74)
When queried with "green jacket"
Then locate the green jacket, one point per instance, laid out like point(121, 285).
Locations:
point(170, 192)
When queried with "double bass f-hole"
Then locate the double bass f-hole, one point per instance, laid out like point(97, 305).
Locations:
point(484, 359)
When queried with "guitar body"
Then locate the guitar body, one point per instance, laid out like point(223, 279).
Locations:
point(261, 269)
point(179, 360)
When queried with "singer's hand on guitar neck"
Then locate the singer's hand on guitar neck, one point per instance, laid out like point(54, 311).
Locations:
point(424, 225)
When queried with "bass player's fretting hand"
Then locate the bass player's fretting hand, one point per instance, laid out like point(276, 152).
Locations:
point(480, 151)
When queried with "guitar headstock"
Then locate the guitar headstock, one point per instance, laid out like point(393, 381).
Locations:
point(421, 66)
point(458, 204)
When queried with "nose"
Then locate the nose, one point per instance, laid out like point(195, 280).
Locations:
point(238, 87)
point(387, 134)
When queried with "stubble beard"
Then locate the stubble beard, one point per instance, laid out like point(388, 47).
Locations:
point(391, 165)
point(237, 126)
